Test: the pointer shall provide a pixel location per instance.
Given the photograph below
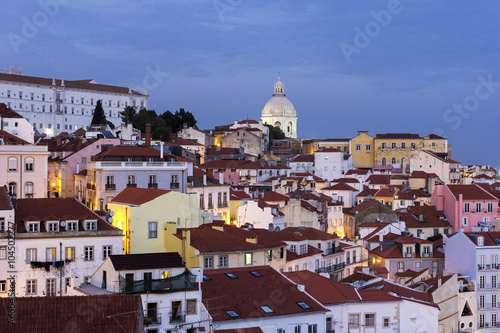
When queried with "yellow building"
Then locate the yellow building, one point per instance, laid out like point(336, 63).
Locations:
point(362, 150)
point(143, 214)
point(237, 199)
point(394, 148)
point(312, 145)
point(216, 245)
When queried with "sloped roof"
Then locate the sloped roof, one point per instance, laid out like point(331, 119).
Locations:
point(74, 314)
point(138, 196)
point(397, 136)
point(11, 139)
point(6, 112)
point(357, 172)
point(340, 187)
point(431, 217)
point(379, 179)
point(405, 292)
point(470, 192)
point(245, 293)
point(310, 233)
point(5, 203)
point(303, 158)
point(273, 196)
point(362, 206)
point(129, 262)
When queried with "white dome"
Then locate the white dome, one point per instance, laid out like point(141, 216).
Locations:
point(279, 106)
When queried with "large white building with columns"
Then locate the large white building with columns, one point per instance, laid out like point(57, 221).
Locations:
point(53, 106)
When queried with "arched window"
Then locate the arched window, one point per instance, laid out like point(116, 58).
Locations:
point(402, 161)
point(28, 190)
point(13, 190)
point(12, 164)
point(384, 161)
point(289, 128)
point(393, 161)
point(277, 124)
point(29, 164)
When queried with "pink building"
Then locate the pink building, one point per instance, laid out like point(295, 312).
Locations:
point(467, 206)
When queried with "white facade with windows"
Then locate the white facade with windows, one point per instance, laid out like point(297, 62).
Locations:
point(23, 168)
point(330, 164)
point(55, 106)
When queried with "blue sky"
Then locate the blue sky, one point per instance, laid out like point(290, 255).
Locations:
point(383, 66)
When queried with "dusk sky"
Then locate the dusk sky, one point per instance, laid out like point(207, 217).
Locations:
point(382, 66)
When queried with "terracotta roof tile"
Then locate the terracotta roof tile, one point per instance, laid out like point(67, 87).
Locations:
point(379, 179)
point(6, 112)
point(470, 192)
point(5, 203)
point(397, 136)
point(138, 196)
point(129, 262)
point(303, 158)
point(11, 139)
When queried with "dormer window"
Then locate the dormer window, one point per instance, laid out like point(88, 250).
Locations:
point(480, 241)
point(33, 227)
point(52, 226)
point(293, 248)
point(72, 226)
point(303, 248)
point(90, 225)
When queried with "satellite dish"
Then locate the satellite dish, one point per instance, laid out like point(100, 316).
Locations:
point(62, 223)
point(111, 213)
point(110, 220)
point(197, 252)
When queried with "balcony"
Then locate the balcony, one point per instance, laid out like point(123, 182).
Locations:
point(409, 255)
point(222, 204)
point(466, 288)
point(426, 255)
point(174, 186)
point(488, 325)
point(138, 165)
point(153, 185)
point(181, 282)
point(210, 205)
point(489, 267)
point(131, 185)
point(332, 250)
point(110, 187)
point(331, 268)
point(152, 319)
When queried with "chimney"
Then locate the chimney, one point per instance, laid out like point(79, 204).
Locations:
point(221, 178)
point(148, 135)
point(439, 282)
point(77, 168)
point(204, 180)
point(59, 140)
point(380, 237)
point(161, 149)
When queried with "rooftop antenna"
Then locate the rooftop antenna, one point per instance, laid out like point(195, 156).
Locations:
point(279, 75)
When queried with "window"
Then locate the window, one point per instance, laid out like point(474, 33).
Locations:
point(403, 145)
point(152, 179)
point(384, 145)
point(490, 207)
point(2, 224)
point(401, 266)
point(110, 180)
point(191, 306)
point(393, 145)
point(88, 253)
point(293, 248)
point(464, 220)
point(91, 225)
point(480, 241)
point(494, 300)
point(482, 298)
point(223, 261)
point(174, 179)
point(282, 253)
point(84, 160)
point(478, 207)
point(106, 251)
point(52, 226)
point(482, 281)
point(435, 266)
point(3, 286)
point(269, 255)
point(232, 314)
point(266, 309)
point(248, 258)
point(70, 253)
point(297, 329)
point(368, 147)
point(131, 179)
point(28, 189)
point(393, 160)
point(255, 273)
point(29, 162)
point(153, 229)
point(312, 328)
point(358, 147)
point(12, 164)
point(369, 320)
point(50, 287)
point(202, 201)
point(71, 226)
point(31, 287)
point(481, 320)
point(353, 320)
point(208, 262)
point(303, 248)
point(384, 161)
point(418, 264)
point(413, 146)
point(30, 255)
point(303, 305)
point(50, 254)
point(3, 252)
point(386, 322)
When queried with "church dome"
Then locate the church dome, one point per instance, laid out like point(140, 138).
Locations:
point(279, 105)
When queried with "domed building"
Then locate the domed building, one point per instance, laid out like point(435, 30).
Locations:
point(279, 112)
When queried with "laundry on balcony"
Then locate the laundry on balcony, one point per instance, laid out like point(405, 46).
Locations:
point(47, 264)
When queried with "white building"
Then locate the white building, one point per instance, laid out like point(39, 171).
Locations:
point(14, 123)
point(331, 163)
point(302, 163)
point(279, 112)
point(171, 296)
point(261, 215)
point(55, 106)
point(23, 167)
point(59, 243)
point(475, 254)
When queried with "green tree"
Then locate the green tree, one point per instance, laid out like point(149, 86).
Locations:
point(161, 133)
point(275, 133)
point(128, 114)
point(99, 117)
point(176, 120)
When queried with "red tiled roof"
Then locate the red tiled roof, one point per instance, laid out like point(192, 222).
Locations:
point(431, 217)
point(423, 174)
point(407, 293)
point(223, 164)
point(489, 237)
point(328, 150)
point(54, 209)
point(239, 195)
point(374, 237)
point(273, 196)
point(419, 193)
point(346, 180)
point(136, 151)
point(311, 251)
point(328, 291)
point(240, 330)
point(310, 233)
point(397, 136)
point(262, 164)
point(362, 206)
point(5, 203)
point(176, 141)
point(340, 187)
point(129, 262)
point(378, 270)
point(244, 294)
point(77, 84)
point(470, 192)
point(379, 179)
point(11, 139)
point(248, 121)
point(6, 112)
point(357, 172)
point(222, 151)
point(138, 196)
point(309, 158)
point(103, 313)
